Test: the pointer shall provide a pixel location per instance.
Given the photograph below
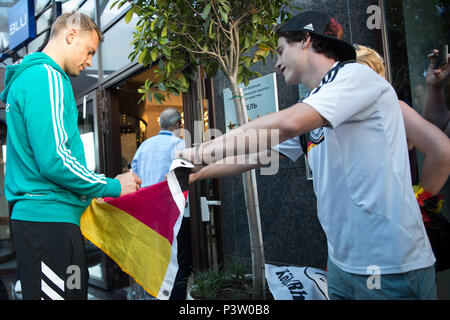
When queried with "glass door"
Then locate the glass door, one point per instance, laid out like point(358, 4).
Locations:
point(89, 132)
point(103, 272)
point(6, 248)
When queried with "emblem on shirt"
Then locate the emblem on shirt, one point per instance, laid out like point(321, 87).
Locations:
point(311, 139)
point(316, 135)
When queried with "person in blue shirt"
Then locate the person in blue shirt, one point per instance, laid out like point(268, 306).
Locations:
point(151, 163)
point(154, 156)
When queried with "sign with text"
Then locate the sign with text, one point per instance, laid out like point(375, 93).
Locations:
point(261, 98)
point(297, 283)
point(22, 24)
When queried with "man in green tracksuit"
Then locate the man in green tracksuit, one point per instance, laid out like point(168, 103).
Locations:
point(46, 176)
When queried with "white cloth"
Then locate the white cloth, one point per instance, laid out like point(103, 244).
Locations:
point(361, 176)
point(297, 283)
point(290, 148)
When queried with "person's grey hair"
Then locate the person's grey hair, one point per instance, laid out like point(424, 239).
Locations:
point(76, 20)
point(169, 118)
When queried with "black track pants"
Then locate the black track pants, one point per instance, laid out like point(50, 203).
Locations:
point(51, 260)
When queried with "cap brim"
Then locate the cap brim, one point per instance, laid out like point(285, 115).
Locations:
point(344, 50)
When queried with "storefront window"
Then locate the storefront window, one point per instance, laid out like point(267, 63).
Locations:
point(36, 44)
point(107, 14)
point(116, 46)
point(71, 5)
point(88, 8)
point(415, 28)
point(44, 21)
point(39, 5)
point(87, 78)
point(86, 122)
point(5, 234)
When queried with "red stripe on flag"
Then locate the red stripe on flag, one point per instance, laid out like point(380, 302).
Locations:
point(154, 206)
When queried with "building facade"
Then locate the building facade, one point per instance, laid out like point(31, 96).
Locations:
point(113, 122)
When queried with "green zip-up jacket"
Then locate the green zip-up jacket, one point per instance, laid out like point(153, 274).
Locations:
point(46, 175)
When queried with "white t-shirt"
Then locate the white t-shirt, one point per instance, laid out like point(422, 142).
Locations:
point(361, 175)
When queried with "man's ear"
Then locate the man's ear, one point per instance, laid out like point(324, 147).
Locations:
point(70, 35)
point(307, 42)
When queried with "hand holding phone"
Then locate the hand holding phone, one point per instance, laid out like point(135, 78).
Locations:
point(441, 57)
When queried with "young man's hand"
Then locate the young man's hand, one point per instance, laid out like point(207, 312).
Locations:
point(187, 154)
point(436, 77)
point(129, 182)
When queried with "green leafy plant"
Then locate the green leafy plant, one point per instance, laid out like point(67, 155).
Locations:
point(231, 283)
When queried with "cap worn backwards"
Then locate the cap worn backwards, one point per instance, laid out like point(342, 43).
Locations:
point(323, 25)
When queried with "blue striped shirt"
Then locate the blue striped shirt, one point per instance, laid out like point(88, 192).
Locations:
point(154, 156)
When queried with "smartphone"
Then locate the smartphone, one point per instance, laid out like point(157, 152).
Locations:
point(442, 57)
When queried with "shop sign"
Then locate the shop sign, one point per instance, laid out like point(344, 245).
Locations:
point(22, 24)
point(261, 98)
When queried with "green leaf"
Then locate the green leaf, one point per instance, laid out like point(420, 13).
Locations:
point(128, 16)
point(154, 54)
point(224, 15)
point(164, 32)
point(159, 97)
point(152, 25)
point(246, 42)
point(142, 56)
point(162, 87)
point(166, 50)
point(113, 4)
point(226, 8)
point(206, 11)
point(210, 29)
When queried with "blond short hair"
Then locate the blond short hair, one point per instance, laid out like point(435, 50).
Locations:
point(370, 58)
point(76, 20)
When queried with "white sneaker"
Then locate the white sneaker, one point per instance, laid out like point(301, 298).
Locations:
point(18, 290)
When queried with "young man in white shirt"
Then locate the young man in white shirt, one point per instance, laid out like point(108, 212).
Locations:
point(353, 133)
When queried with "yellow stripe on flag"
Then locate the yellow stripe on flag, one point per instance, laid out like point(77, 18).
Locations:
point(137, 249)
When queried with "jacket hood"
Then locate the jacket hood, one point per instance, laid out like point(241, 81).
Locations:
point(13, 71)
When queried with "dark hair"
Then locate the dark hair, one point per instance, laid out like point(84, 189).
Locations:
point(320, 44)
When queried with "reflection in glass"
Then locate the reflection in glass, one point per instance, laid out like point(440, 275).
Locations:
point(87, 78)
point(70, 5)
point(44, 21)
point(6, 252)
point(36, 44)
point(88, 8)
point(415, 28)
point(132, 134)
point(86, 128)
point(116, 46)
point(39, 5)
point(107, 14)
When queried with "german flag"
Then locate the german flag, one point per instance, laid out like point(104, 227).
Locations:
point(139, 231)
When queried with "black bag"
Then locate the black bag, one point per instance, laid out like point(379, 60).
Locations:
point(438, 230)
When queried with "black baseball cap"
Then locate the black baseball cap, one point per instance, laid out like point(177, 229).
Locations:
point(323, 25)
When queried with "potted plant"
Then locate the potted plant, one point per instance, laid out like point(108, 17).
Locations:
point(229, 283)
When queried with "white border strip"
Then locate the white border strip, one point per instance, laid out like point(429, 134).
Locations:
point(177, 194)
